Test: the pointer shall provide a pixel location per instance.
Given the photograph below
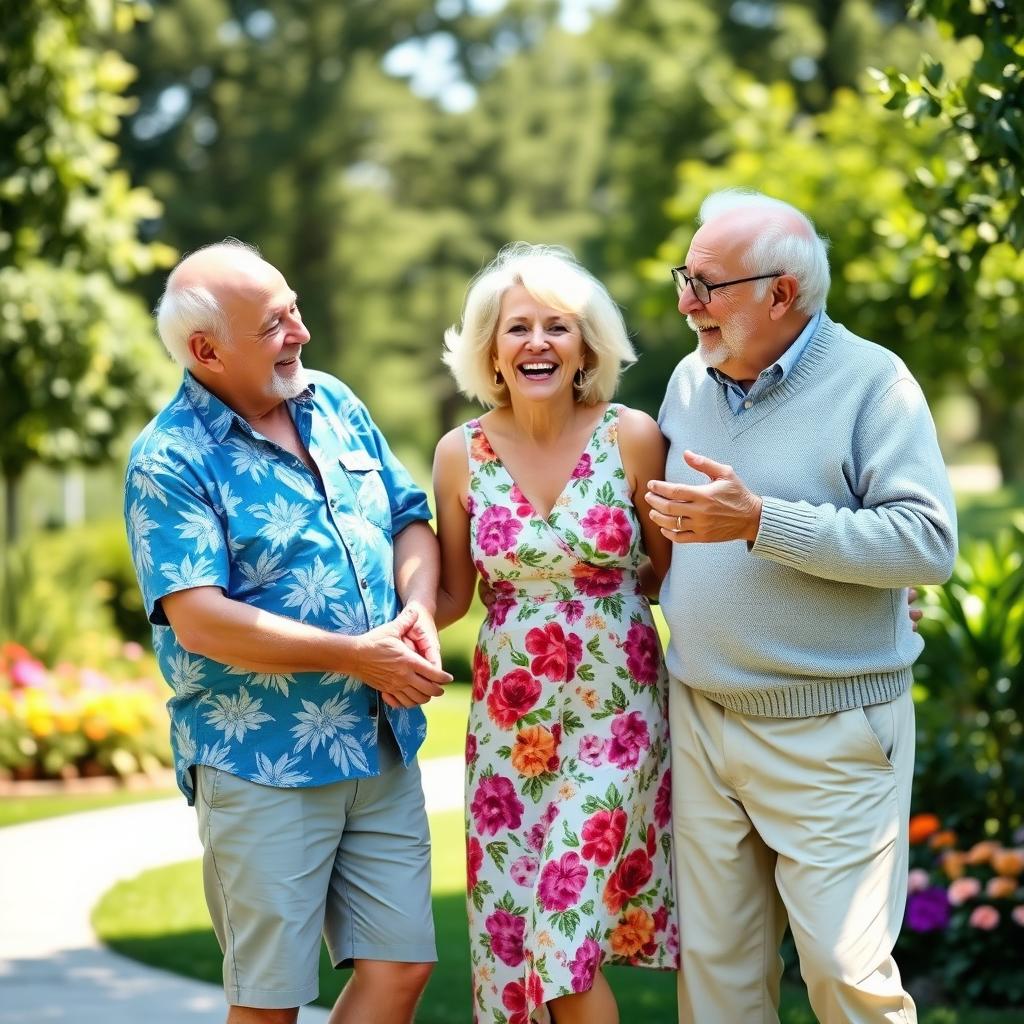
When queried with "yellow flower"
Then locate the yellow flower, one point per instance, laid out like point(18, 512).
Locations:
point(595, 622)
point(566, 791)
point(589, 697)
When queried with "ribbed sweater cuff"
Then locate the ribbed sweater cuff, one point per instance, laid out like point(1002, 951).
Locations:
point(786, 532)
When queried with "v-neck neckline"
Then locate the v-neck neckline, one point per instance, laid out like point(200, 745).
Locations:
point(572, 473)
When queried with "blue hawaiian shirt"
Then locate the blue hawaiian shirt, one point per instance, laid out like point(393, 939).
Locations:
point(209, 501)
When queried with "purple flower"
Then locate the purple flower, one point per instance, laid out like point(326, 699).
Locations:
point(507, 932)
point(927, 910)
point(584, 965)
point(497, 529)
point(629, 739)
point(524, 870)
point(495, 805)
point(562, 881)
point(591, 749)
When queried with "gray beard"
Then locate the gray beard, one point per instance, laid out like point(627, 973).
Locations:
point(289, 387)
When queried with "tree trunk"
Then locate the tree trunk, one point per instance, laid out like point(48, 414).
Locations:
point(1002, 425)
point(7, 597)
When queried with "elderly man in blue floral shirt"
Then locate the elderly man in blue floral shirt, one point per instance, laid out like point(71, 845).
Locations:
point(290, 576)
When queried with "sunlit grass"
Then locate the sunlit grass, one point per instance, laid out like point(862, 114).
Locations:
point(18, 810)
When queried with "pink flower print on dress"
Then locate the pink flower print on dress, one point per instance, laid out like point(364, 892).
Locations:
point(627, 880)
point(663, 800)
point(602, 835)
point(562, 881)
point(556, 655)
point(571, 611)
point(522, 503)
point(609, 529)
point(584, 468)
point(538, 833)
point(481, 673)
point(584, 966)
point(497, 529)
point(591, 749)
point(504, 601)
point(523, 870)
point(507, 932)
point(592, 581)
point(511, 697)
point(643, 653)
point(630, 739)
point(496, 806)
point(474, 862)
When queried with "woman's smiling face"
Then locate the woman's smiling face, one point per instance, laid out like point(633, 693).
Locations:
point(537, 349)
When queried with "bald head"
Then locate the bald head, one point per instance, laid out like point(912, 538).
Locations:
point(769, 237)
point(204, 290)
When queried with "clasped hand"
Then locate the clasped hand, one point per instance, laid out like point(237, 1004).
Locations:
point(402, 659)
point(723, 509)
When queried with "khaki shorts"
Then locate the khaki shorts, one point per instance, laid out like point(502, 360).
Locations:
point(350, 860)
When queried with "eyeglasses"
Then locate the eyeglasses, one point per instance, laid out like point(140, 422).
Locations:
point(703, 290)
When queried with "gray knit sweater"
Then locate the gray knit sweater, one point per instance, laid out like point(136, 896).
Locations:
point(812, 618)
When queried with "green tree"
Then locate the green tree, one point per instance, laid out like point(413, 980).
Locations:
point(76, 358)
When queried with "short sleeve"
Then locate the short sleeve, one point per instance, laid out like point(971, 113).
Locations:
point(176, 538)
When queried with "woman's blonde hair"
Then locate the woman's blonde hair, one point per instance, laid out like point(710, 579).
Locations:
point(553, 277)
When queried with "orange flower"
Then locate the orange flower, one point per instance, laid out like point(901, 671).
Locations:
point(981, 853)
point(481, 449)
point(1000, 888)
point(922, 827)
point(953, 863)
point(534, 751)
point(1008, 862)
point(943, 840)
point(635, 932)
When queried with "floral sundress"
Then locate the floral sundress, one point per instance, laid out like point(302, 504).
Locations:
point(567, 756)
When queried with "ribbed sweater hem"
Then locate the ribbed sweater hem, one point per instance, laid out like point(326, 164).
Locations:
point(806, 700)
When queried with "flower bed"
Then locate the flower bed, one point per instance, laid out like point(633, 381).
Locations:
point(964, 923)
point(71, 721)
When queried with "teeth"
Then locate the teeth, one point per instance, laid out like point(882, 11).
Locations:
point(538, 366)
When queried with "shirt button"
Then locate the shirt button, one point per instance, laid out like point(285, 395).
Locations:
point(363, 584)
point(748, 404)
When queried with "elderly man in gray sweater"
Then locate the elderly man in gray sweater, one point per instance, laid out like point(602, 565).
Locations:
point(805, 493)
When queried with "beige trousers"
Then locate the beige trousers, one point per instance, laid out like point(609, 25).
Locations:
point(798, 819)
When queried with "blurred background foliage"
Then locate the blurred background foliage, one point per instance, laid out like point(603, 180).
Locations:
point(381, 151)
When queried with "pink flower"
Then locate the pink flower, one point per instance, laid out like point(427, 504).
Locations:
point(572, 611)
point(603, 833)
point(643, 653)
point(27, 672)
point(524, 870)
point(474, 861)
point(610, 529)
point(507, 932)
point(504, 601)
point(470, 747)
point(495, 805)
point(511, 697)
point(584, 966)
point(917, 880)
point(520, 999)
point(985, 917)
point(629, 739)
point(555, 655)
point(521, 501)
point(1018, 915)
point(672, 942)
point(591, 749)
point(497, 529)
point(538, 833)
point(661, 918)
point(562, 881)
point(963, 889)
point(663, 800)
point(592, 581)
point(583, 468)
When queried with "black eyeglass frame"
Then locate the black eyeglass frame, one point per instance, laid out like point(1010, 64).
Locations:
point(693, 282)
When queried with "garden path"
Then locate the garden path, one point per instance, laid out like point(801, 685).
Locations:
point(52, 874)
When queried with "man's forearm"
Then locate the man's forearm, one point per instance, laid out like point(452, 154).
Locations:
point(417, 566)
point(234, 633)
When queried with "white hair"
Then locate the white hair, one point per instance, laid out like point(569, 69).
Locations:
point(553, 277)
point(180, 312)
point(802, 254)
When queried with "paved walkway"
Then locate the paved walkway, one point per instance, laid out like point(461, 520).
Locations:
point(52, 874)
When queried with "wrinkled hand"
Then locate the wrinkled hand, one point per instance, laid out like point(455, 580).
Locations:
point(422, 636)
point(721, 510)
point(389, 659)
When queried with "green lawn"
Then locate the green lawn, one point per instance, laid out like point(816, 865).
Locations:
point(22, 809)
point(160, 918)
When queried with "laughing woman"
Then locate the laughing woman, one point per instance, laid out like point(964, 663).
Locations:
point(567, 756)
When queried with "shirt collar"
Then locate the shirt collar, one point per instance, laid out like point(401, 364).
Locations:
point(783, 366)
point(218, 417)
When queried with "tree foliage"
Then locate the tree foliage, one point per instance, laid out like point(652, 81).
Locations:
point(74, 363)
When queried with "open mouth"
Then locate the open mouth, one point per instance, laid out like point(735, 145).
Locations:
point(539, 370)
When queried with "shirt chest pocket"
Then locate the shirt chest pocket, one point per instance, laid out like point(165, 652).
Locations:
point(368, 485)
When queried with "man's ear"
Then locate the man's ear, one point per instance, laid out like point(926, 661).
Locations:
point(204, 352)
point(785, 290)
